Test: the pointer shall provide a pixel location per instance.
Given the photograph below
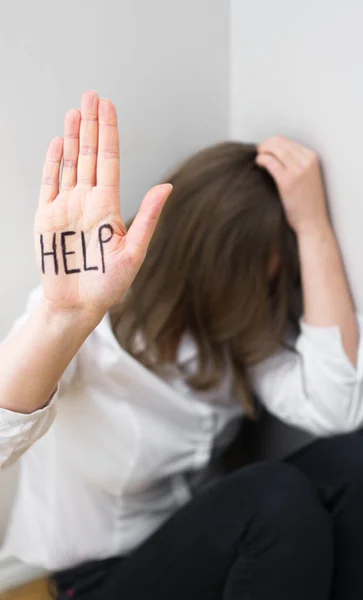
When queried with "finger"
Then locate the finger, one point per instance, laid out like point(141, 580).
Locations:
point(88, 139)
point(143, 226)
point(301, 151)
point(302, 155)
point(283, 150)
point(272, 164)
point(108, 157)
point(71, 148)
point(50, 178)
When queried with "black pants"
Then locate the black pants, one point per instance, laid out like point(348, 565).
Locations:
point(274, 530)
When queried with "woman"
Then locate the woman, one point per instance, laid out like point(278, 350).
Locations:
point(152, 360)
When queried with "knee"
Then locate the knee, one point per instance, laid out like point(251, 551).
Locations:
point(284, 490)
point(346, 452)
point(337, 463)
point(344, 460)
point(285, 497)
point(268, 505)
point(339, 459)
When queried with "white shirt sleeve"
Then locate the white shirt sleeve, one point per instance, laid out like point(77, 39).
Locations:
point(19, 431)
point(316, 387)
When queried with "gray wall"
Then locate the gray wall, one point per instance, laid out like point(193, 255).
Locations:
point(296, 70)
point(165, 65)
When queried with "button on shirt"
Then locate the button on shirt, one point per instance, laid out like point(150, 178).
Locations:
point(111, 456)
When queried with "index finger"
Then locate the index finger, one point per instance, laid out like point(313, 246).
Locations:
point(287, 148)
point(108, 158)
point(282, 149)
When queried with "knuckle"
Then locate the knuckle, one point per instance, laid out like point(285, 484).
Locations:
point(69, 163)
point(109, 153)
point(108, 123)
point(83, 180)
point(113, 187)
point(276, 139)
point(88, 149)
point(89, 117)
point(49, 180)
point(67, 185)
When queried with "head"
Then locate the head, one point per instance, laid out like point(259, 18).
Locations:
point(222, 266)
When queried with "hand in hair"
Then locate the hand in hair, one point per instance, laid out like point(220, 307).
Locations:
point(86, 258)
point(297, 173)
point(326, 293)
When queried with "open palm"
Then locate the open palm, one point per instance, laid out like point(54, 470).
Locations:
point(86, 258)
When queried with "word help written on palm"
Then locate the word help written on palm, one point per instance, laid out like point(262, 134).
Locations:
point(86, 258)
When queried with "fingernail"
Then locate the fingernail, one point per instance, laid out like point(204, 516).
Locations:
point(106, 106)
point(166, 187)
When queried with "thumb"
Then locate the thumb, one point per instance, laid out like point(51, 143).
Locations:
point(143, 226)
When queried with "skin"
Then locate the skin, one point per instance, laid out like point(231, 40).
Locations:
point(83, 197)
point(86, 195)
point(326, 296)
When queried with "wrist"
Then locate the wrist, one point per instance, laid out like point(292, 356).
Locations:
point(316, 241)
point(77, 322)
point(313, 228)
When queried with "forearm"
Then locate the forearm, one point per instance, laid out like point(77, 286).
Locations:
point(326, 295)
point(33, 358)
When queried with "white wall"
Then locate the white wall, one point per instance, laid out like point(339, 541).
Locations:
point(296, 69)
point(165, 65)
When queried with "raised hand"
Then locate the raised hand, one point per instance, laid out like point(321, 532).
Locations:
point(297, 173)
point(86, 258)
point(326, 296)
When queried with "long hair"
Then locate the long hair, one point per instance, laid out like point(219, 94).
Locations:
point(208, 272)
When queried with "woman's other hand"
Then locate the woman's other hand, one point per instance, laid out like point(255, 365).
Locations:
point(326, 295)
point(296, 171)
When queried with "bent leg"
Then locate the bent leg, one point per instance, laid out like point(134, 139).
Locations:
point(336, 467)
point(259, 533)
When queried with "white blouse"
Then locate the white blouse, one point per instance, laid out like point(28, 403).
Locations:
point(111, 456)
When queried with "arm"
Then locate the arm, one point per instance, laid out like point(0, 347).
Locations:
point(313, 388)
point(87, 262)
point(316, 388)
point(326, 295)
point(34, 357)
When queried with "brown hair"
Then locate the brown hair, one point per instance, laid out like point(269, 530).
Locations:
point(208, 271)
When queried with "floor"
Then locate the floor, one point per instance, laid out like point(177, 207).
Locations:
point(33, 591)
